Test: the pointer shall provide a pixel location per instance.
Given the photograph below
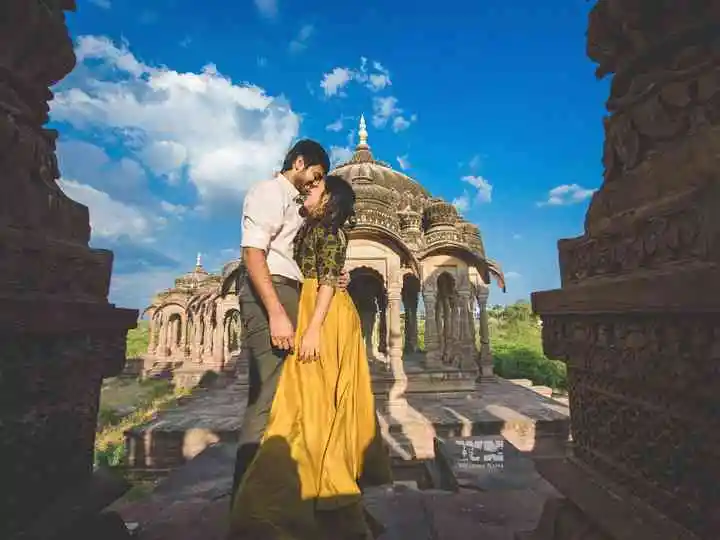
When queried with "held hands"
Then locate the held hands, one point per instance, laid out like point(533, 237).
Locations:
point(282, 333)
point(309, 346)
point(343, 280)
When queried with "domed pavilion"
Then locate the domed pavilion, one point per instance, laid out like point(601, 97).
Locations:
point(409, 249)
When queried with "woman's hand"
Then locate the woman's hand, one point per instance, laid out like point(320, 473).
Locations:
point(309, 345)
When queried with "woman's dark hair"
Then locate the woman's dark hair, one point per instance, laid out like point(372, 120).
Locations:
point(312, 153)
point(339, 210)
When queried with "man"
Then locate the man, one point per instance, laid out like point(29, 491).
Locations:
point(270, 293)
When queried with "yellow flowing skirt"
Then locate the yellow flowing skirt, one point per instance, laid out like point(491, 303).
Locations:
point(321, 440)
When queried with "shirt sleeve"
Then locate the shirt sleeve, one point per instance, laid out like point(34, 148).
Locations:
point(262, 215)
point(331, 249)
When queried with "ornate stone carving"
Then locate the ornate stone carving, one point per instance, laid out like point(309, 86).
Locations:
point(59, 336)
point(636, 320)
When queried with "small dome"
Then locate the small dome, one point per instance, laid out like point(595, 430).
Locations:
point(440, 212)
point(194, 279)
point(364, 167)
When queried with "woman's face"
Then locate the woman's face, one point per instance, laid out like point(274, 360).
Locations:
point(315, 196)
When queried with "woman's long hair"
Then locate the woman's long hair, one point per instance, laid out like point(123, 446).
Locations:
point(335, 213)
point(337, 208)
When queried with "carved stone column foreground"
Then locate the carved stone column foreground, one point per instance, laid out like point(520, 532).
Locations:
point(59, 336)
point(637, 319)
point(484, 358)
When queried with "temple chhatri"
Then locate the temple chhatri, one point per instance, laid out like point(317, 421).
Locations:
point(407, 244)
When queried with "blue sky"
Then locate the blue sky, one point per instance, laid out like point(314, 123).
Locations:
point(176, 107)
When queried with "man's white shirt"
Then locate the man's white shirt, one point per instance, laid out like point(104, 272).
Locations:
point(270, 221)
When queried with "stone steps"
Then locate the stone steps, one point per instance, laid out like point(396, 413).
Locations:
point(192, 503)
point(533, 423)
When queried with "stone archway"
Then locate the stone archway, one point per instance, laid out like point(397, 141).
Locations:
point(367, 289)
point(447, 320)
point(410, 295)
point(232, 332)
point(174, 334)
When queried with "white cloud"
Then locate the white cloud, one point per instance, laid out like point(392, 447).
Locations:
point(462, 203)
point(567, 194)
point(220, 136)
point(384, 108)
point(474, 162)
point(337, 125)
point(267, 8)
point(375, 78)
point(404, 162)
point(400, 123)
point(513, 275)
point(332, 83)
point(109, 219)
point(339, 155)
point(299, 44)
point(105, 4)
point(483, 187)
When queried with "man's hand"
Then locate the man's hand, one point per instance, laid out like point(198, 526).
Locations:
point(282, 333)
point(343, 280)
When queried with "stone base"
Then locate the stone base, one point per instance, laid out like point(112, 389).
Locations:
point(595, 509)
point(427, 381)
point(80, 512)
point(532, 423)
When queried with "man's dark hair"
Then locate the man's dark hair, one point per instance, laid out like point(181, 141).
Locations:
point(312, 153)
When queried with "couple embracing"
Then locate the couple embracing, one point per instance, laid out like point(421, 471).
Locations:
point(309, 440)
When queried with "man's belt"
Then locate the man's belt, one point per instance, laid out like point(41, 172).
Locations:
point(284, 280)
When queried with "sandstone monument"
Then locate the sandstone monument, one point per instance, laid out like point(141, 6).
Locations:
point(637, 319)
point(59, 336)
point(407, 244)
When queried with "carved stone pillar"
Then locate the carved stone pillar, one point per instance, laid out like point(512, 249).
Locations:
point(466, 343)
point(153, 334)
point(59, 336)
point(218, 338)
point(485, 360)
point(395, 333)
point(432, 344)
point(637, 319)
point(208, 341)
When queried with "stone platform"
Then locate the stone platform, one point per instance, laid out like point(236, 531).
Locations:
point(533, 423)
point(192, 503)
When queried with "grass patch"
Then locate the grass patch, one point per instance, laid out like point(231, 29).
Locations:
point(110, 440)
point(138, 339)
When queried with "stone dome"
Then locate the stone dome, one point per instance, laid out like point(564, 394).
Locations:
point(440, 212)
point(364, 168)
point(193, 279)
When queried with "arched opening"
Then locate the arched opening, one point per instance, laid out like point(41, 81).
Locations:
point(410, 297)
point(174, 332)
point(367, 289)
point(446, 317)
point(232, 331)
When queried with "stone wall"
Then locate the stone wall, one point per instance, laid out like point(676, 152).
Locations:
point(637, 319)
point(59, 336)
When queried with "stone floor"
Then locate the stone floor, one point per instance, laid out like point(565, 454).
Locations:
point(192, 503)
point(531, 422)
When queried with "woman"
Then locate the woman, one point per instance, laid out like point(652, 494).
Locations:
point(322, 439)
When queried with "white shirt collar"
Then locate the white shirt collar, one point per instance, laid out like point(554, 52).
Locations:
point(288, 185)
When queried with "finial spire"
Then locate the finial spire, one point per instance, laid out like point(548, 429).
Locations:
point(362, 133)
point(197, 261)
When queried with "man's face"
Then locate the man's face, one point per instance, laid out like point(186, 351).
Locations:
point(307, 177)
